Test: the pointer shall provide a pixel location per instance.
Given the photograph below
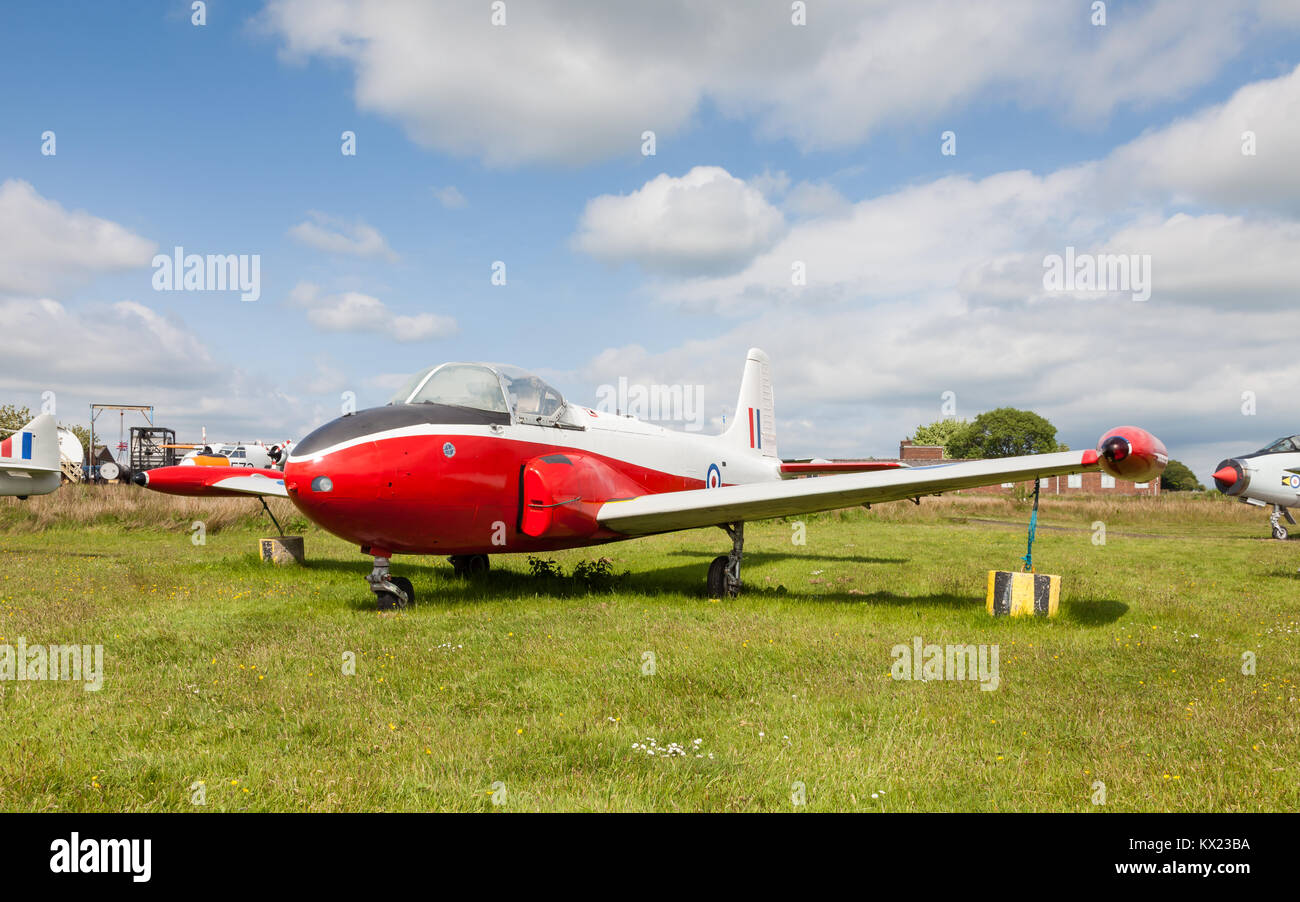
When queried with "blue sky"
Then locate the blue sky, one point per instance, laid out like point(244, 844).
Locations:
point(223, 138)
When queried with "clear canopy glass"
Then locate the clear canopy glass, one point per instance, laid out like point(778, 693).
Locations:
point(499, 388)
point(1290, 443)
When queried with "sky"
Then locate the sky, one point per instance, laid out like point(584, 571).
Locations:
point(870, 192)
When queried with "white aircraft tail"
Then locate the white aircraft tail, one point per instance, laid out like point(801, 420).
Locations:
point(34, 447)
point(754, 426)
point(29, 459)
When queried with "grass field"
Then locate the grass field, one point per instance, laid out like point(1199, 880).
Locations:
point(522, 693)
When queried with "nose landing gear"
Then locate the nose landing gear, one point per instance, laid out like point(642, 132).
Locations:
point(1275, 520)
point(390, 591)
point(724, 572)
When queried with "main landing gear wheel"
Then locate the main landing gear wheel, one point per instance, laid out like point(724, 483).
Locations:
point(469, 564)
point(724, 571)
point(718, 577)
point(1279, 532)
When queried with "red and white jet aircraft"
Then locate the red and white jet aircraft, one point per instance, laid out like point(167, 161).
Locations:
point(472, 459)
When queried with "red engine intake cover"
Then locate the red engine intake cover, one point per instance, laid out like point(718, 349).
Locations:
point(1128, 452)
point(563, 491)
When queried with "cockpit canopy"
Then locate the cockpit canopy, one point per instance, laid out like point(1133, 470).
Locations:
point(498, 388)
point(1290, 443)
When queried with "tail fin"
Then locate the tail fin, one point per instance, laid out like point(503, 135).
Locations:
point(754, 426)
point(34, 447)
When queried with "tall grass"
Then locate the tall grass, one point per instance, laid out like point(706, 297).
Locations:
point(127, 508)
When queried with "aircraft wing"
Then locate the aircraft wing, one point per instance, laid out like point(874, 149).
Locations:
point(793, 469)
point(756, 501)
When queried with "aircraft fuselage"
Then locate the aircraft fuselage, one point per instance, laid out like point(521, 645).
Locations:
point(437, 479)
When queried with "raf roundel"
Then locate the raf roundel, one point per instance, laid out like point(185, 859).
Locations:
point(714, 479)
point(449, 449)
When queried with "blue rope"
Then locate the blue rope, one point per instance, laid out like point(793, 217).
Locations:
point(1033, 527)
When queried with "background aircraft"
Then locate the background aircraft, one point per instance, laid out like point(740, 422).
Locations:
point(256, 455)
point(1269, 476)
point(471, 459)
point(29, 459)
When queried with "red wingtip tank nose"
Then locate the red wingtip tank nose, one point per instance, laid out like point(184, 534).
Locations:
point(1128, 452)
point(1227, 475)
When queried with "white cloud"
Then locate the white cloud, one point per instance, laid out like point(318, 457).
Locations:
point(705, 222)
point(919, 239)
point(83, 355)
point(450, 197)
point(988, 237)
point(1200, 159)
point(44, 246)
point(44, 344)
point(352, 311)
point(569, 81)
point(335, 236)
point(815, 199)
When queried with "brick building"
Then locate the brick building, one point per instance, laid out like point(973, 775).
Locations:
point(1094, 483)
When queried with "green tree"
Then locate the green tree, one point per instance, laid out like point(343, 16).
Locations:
point(940, 432)
point(13, 417)
point(1178, 477)
point(1005, 432)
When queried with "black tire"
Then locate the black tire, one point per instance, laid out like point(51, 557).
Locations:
point(476, 564)
point(717, 580)
point(385, 601)
point(1279, 532)
point(405, 585)
point(457, 562)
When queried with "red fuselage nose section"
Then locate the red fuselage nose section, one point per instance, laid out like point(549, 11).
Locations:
point(341, 491)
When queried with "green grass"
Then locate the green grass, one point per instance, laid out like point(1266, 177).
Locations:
point(222, 669)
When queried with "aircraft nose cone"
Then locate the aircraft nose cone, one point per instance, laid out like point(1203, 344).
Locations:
point(140, 477)
point(1227, 475)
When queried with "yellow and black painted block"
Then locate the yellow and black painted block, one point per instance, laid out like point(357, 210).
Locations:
point(281, 550)
point(1023, 594)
